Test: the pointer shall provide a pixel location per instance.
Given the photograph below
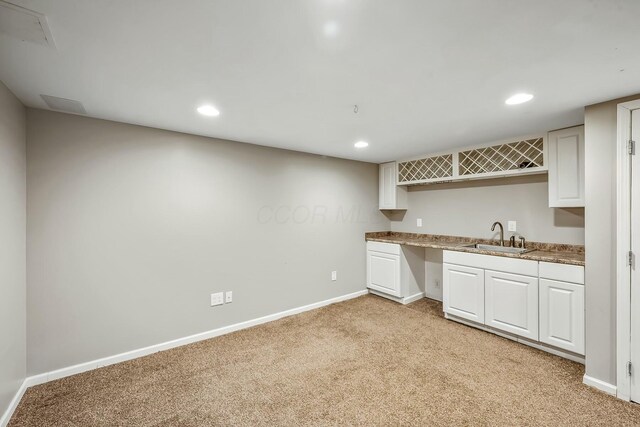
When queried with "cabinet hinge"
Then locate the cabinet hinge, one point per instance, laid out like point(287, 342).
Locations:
point(630, 259)
point(629, 366)
point(631, 147)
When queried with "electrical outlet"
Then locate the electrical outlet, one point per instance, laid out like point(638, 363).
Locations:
point(334, 276)
point(437, 283)
point(511, 225)
point(217, 299)
point(419, 222)
point(228, 297)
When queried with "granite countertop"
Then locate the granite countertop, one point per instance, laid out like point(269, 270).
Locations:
point(548, 252)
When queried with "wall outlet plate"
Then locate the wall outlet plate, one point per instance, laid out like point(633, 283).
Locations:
point(419, 222)
point(334, 276)
point(228, 297)
point(511, 226)
point(217, 299)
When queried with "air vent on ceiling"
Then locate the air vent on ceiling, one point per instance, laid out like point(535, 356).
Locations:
point(62, 104)
point(25, 24)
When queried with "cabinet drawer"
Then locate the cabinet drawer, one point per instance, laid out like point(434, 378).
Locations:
point(511, 303)
point(562, 315)
point(385, 248)
point(491, 262)
point(562, 272)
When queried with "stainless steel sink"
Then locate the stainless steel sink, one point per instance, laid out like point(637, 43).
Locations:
point(494, 248)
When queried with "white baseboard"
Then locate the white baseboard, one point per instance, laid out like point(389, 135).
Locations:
point(437, 297)
point(401, 300)
point(600, 385)
point(110, 360)
point(412, 298)
point(4, 420)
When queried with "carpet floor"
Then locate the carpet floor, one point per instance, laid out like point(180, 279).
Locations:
point(367, 361)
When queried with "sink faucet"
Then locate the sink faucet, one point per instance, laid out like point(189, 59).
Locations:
point(493, 227)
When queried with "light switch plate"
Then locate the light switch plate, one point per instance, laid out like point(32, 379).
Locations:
point(511, 225)
point(217, 299)
point(334, 276)
point(419, 222)
point(228, 297)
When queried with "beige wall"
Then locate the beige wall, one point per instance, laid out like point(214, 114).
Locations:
point(12, 246)
point(600, 238)
point(469, 208)
point(131, 229)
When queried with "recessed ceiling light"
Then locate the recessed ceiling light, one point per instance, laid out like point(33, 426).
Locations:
point(519, 98)
point(361, 144)
point(331, 29)
point(208, 110)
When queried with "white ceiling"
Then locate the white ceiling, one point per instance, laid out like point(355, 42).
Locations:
point(427, 75)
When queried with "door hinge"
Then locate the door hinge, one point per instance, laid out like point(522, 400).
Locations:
point(629, 366)
point(630, 259)
point(631, 147)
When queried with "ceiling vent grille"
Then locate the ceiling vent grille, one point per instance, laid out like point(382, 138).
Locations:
point(25, 24)
point(63, 104)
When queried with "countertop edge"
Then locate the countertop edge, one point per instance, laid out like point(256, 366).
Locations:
point(458, 246)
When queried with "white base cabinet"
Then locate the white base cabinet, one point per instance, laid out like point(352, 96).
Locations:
point(511, 303)
point(562, 319)
point(539, 301)
point(383, 269)
point(464, 294)
point(395, 271)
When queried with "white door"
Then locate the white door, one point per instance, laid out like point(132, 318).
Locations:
point(562, 315)
point(511, 303)
point(635, 247)
point(383, 272)
point(463, 292)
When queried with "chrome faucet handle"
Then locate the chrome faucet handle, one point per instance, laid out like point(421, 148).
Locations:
point(523, 242)
point(512, 241)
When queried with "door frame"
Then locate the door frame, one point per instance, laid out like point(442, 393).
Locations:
point(623, 245)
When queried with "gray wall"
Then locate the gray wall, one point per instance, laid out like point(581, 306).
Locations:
point(131, 229)
point(469, 208)
point(12, 246)
point(600, 238)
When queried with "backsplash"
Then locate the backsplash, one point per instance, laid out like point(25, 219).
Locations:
point(469, 208)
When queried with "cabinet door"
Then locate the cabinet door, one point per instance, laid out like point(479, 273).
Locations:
point(391, 196)
point(463, 292)
point(511, 303)
point(562, 315)
point(388, 186)
point(566, 167)
point(383, 272)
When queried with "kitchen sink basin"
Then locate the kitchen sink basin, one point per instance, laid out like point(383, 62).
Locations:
point(494, 248)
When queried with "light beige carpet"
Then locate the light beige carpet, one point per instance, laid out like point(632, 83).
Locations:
point(367, 361)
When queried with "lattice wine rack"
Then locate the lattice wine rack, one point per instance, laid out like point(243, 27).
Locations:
point(525, 156)
point(499, 158)
point(431, 168)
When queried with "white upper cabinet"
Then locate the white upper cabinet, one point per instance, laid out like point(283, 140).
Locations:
point(566, 167)
point(391, 196)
